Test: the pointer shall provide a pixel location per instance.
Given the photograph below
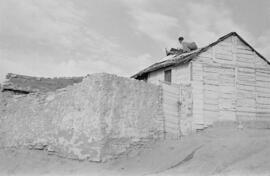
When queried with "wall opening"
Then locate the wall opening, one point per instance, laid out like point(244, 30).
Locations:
point(168, 76)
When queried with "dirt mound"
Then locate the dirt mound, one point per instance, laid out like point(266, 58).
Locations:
point(215, 151)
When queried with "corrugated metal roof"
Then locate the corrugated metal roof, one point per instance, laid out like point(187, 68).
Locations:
point(178, 59)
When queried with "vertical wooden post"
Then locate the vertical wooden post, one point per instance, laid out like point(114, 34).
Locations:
point(234, 43)
point(190, 71)
point(179, 104)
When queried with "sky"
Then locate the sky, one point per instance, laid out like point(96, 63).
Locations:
point(54, 38)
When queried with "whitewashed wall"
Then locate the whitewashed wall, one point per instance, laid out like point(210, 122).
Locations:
point(230, 82)
point(177, 109)
point(180, 75)
point(197, 91)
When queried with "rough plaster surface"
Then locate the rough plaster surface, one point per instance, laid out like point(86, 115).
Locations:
point(96, 119)
point(186, 110)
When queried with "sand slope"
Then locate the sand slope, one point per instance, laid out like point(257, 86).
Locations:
point(220, 150)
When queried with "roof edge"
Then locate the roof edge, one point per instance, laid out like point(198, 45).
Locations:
point(193, 55)
point(253, 49)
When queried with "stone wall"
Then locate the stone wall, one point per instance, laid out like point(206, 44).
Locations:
point(96, 119)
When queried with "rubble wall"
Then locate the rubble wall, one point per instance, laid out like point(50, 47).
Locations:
point(96, 119)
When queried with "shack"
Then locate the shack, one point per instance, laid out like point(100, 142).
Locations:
point(229, 79)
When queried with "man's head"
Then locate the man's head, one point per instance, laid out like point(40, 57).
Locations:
point(180, 39)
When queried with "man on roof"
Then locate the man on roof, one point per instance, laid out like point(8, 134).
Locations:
point(187, 46)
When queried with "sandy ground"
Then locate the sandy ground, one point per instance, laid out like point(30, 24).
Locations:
point(220, 150)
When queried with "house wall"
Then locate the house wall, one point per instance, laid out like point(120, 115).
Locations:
point(181, 78)
point(180, 75)
point(177, 109)
point(230, 82)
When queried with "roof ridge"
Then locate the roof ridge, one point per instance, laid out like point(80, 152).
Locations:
point(190, 56)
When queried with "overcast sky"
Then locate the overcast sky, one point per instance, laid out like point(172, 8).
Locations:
point(77, 37)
